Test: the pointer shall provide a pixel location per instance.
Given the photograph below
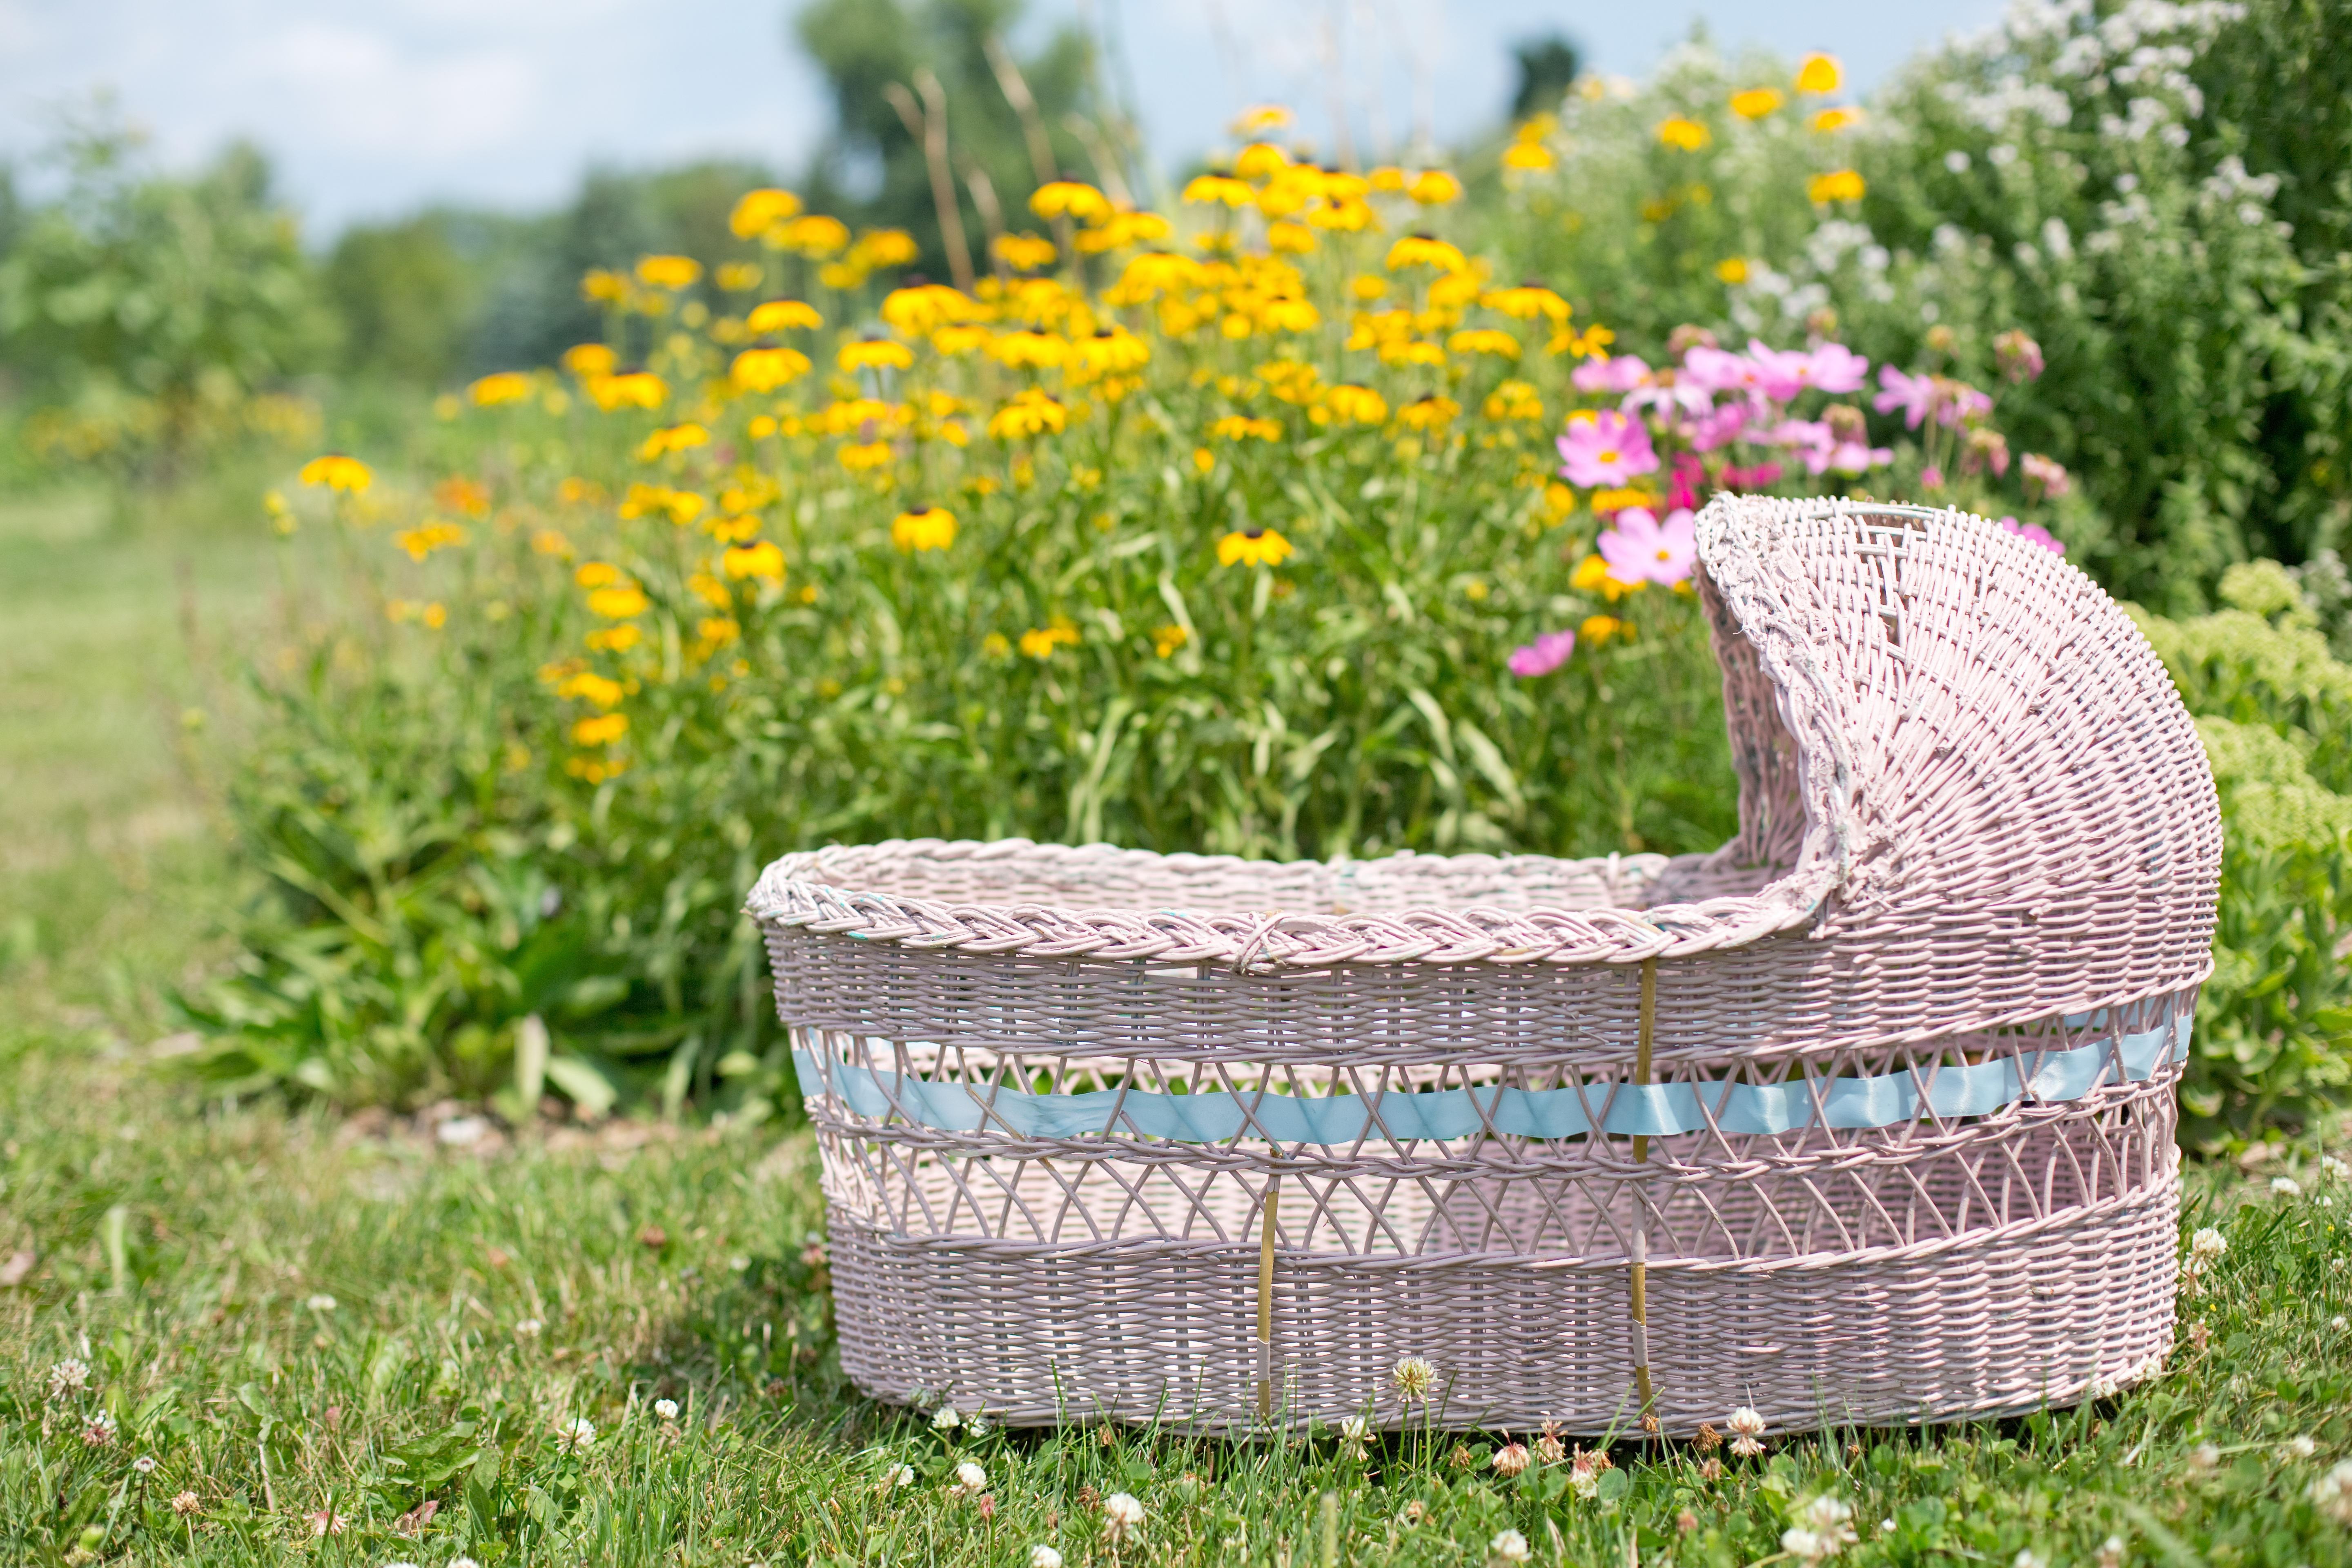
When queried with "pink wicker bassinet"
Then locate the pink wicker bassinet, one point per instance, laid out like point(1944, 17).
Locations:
point(1867, 1116)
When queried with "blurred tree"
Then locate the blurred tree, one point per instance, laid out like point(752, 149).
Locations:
point(1549, 66)
point(405, 298)
point(1008, 117)
point(144, 312)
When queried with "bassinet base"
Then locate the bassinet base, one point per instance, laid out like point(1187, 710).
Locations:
point(2004, 1321)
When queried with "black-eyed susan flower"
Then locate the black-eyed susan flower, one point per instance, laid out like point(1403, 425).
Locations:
point(587, 686)
point(741, 277)
point(961, 338)
point(1597, 630)
point(1039, 642)
point(504, 386)
point(816, 235)
point(782, 315)
point(863, 456)
point(1029, 413)
point(1290, 315)
point(923, 528)
point(718, 631)
point(1529, 158)
point(1513, 400)
point(1029, 349)
point(605, 287)
point(874, 354)
point(1413, 352)
point(1069, 198)
point(1254, 547)
point(614, 639)
point(1732, 270)
point(1433, 187)
point(1592, 576)
point(1527, 302)
point(433, 535)
point(588, 361)
point(1484, 340)
point(758, 212)
point(600, 730)
point(1124, 228)
point(1426, 250)
point(884, 248)
point(1290, 239)
point(732, 530)
point(1837, 185)
point(1356, 404)
point(1263, 117)
point(1109, 349)
point(710, 591)
point(1835, 119)
point(345, 475)
point(1167, 639)
point(1024, 252)
point(1818, 74)
point(1233, 193)
point(764, 370)
point(638, 389)
point(596, 575)
point(1243, 427)
point(670, 272)
point(763, 560)
point(1429, 411)
point(918, 307)
point(1261, 161)
point(1756, 103)
point(672, 438)
point(620, 602)
point(1388, 179)
point(1676, 130)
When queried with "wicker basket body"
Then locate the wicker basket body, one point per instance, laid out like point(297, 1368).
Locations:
point(1867, 1116)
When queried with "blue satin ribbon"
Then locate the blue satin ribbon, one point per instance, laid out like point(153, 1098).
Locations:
point(1656, 1110)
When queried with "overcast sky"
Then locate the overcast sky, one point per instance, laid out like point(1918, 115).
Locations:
point(371, 110)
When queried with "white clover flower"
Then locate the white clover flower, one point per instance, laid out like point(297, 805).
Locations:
point(321, 1302)
point(530, 1328)
point(898, 1475)
point(188, 1505)
point(2331, 1494)
point(70, 1375)
point(2285, 1187)
point(1823, 1528)
point(947, 1418)
point(2333, 1169)
point(2110, 1554)
point(1122, 1514)
point(2299, 1447)
point(975, 1427)
point(666, 1408)
point(144, 1464)
point(1413, 1376)
point(1508, 1546)
point(463, 1562)
point(1745, 1425)
point(2203, 1458)
point(576, 1436)
point(2026, 1558)
point(1044, 1557)
point(1510, 1459)
point(970, 1480)
point(2338, 1323)
point(98, 1430)
point(2208, 1244)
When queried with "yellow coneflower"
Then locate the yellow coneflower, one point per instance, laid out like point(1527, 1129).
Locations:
point(1029, 413)
point(1069, 198)
point(1167, 639)
point(638, 389)
point(763, 560)
point(605, 287)
point(423, 540)
point(670, 272)
point(764, 370)
point(741, 277)
point(1039, 642)
point(1732, 270)
point(1241, 426)
point(1426, 250)
point(1756, 102)
point(1837, 185)
point(1254, 547)
point(718, 631)
point(758, 212)
point(587, 686)
point(816, 235)
point(1529, 157)
point(1678, 132)
point(621, 601)
point(1819, 73)
point(782, 315)
point(875, 353)
point(600, 730)
point(1835, 119)
point(347, 475)
point(614, 639)
point(596, 575)
point(710, 591)
point(736, 530)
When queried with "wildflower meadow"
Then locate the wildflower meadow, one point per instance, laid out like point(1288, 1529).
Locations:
point(400, 1161)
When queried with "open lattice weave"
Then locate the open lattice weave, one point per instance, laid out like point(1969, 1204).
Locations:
point(1866, 1116)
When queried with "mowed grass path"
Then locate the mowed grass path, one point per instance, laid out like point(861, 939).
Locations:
point(346, 1343)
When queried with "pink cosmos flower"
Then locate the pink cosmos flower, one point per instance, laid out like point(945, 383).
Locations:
point(1853, 458)
point(1931, 478)
point(1754, 479)
point(1833, 367)
point(1606, 449)
point(1914, 394)
point(1610, 373)
point(1721, 426)
point(1960, 401)
point(1641, 549)
point(2046, 475)
point(2034, 533)
point(1541, 657)
point(1668, 391)
point(1689, 474)
point(1719, 369)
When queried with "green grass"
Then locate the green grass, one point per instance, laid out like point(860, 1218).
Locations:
point(180, 1245)
point(184, 1251)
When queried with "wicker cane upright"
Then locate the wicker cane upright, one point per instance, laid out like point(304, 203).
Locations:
point(1866, 1116)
